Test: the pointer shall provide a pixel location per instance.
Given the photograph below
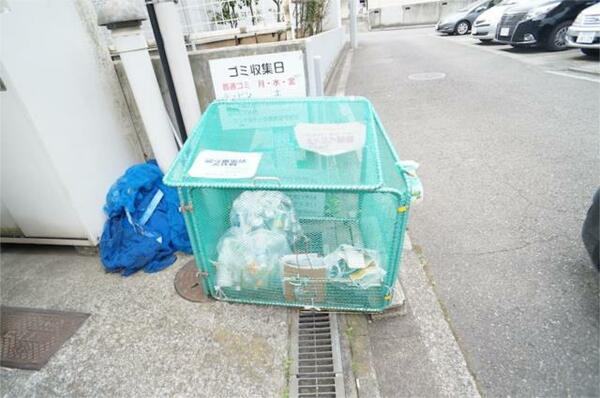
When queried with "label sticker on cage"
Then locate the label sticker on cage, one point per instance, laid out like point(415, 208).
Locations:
point(330, 139)
point(225, 164)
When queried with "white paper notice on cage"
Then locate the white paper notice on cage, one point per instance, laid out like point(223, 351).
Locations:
point(259, 76)
point(330, 139)
point(225, 164)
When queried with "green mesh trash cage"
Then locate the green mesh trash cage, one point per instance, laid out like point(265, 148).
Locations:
point(294, 202)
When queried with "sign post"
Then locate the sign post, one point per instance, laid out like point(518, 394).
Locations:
point(353, 23)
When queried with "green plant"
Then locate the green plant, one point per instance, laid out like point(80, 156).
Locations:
point(228, 14)
point(309, 16)
point(286, 371)
point(350, 333)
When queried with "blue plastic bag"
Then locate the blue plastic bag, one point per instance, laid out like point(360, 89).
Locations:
point(144, 227)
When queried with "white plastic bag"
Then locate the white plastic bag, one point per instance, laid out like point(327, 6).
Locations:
point(250, 260)
point(270, 210)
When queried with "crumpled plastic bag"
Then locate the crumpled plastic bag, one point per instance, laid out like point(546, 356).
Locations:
point(409, 168)
point(249, 260)
point(361, 267)
point(144, 228)
point(271, 210)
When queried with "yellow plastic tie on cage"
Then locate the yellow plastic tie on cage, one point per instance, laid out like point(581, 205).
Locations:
point(402, 209)
point(389, 294)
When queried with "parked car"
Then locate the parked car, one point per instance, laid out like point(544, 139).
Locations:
point(591, 230)
point(539, 23)
point(484, 26)
point(585, 31)
point(460, 22)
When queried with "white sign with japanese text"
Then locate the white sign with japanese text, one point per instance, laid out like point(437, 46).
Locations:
point(330, 139)
point(259, 76)
point(225, 164)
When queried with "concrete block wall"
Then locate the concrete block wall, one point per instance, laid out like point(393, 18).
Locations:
point(328, 45)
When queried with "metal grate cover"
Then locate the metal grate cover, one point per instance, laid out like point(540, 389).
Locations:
point(31, 336)
point(316, 359)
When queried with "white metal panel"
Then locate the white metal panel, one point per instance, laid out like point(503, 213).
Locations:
point(31, 188)
point(84, 137)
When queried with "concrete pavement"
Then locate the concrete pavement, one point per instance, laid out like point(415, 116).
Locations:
point(572, 63)
point(142, 339)
point(509, 156)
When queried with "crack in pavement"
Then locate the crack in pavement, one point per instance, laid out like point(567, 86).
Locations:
point(505, 250)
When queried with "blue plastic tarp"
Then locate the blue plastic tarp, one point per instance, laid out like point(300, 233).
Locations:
point(144, 228)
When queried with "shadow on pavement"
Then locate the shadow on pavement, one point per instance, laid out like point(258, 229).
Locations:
point(489, 44)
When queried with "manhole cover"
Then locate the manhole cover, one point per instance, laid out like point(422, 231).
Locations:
point(30, 336)
point(188, 284)
point(427, 76)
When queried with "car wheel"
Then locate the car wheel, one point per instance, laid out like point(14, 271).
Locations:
point(592, 52)
point(556, 40)
point(462, 28)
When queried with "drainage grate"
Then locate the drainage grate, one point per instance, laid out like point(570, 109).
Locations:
point(316, 359)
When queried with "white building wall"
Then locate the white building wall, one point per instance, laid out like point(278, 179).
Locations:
point(393, 3)
point(333, 15)
point(66, 131)
point(328, 45)
point(410, 12)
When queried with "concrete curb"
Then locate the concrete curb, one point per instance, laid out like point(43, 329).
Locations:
point(454, 377)
point(339, 76)
point(402, 27)
point(355, 330)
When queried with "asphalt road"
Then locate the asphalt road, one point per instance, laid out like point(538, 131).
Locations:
point(509, 161)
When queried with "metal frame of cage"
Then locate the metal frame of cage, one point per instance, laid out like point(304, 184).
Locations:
point(397, 204)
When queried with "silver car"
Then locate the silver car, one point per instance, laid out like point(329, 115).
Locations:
point(585, 31)
point(484, 27)
point(460, 22)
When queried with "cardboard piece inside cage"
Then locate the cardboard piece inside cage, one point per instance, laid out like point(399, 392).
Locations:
point(305, 275)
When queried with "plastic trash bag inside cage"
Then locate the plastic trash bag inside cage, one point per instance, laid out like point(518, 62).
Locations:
point(249, 260)
point(270, 210)
point(356, 266)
